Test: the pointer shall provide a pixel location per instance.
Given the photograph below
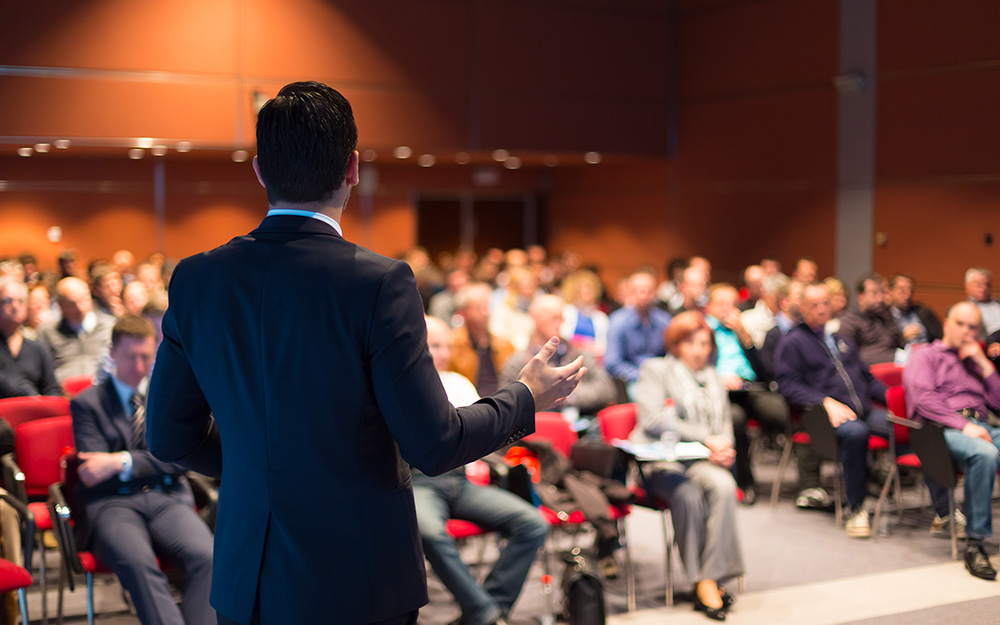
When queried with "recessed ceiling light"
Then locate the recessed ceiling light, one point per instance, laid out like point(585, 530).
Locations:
point(500, 155)
point(402, 152)
point(136, 153)
point(144, 142)
point(42, 147)
point(462, 158)
point(240, 156)
point(183, 146)
point(25, 152)
point(426, 160)
point(512, 163)
point(550, 160)
point(61, 144)
point(592, 157)
point(159, 150)
point(369, 155)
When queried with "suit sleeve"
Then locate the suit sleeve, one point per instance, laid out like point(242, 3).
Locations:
point(431, 434)
point(179, 423)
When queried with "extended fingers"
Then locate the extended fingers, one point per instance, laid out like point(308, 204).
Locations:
point(548, 350)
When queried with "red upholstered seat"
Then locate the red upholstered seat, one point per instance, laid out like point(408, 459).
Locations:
point(41, 444)
point(18, 410)
point(77, 384)
point(460, 529)
point(13, 577)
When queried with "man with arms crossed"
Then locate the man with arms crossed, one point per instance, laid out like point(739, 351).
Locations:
point(951, 381)
point(321, 396)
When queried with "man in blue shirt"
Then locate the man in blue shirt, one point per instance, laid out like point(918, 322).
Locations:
point(635, 332)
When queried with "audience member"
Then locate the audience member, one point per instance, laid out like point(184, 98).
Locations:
point(12, 269)
point(151, 277)
point(79, 340)
point(871, 328)
point(702, 263)
point(953, 383)
point(132, 503)
point(816, 369)
point(635, 332)
point(806, 270)
point(135, 296)
point(771, 267)
point(30, 265)
point(668, 294)
point(753, 283)
point(979, 289)
point(693, 290)
point(596, 389)
point(452, 495)
point(106, 286)
point(684, 394)
point(838, 303)
point(477, 354)
point(788, 297)
point(509, 318)
point(124, 263)
point(25, 365)
point(737, 362)
point(67, 264)
point(918, 323)
point(585, 325)
point(39, 310)
point(442, 303)
point(760, 319)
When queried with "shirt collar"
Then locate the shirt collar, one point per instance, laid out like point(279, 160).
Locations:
point(302, 213)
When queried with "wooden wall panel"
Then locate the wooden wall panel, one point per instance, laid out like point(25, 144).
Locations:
point(936, 33)
point(757, 46)
point(939, 124)
point(187, 36)
point(53, 108)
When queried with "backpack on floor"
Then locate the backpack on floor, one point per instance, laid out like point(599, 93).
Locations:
point(583, 592)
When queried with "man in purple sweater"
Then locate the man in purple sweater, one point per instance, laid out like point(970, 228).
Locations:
point(952, 381)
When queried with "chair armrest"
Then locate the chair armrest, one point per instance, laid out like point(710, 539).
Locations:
point(910, 423)
point(13, 477)
point(28, 528)
point(62, 526)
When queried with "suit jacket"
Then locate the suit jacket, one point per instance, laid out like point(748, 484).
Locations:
point(100, 424)
point(311, 352)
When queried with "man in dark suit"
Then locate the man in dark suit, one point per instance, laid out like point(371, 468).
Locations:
point(134, 506)
point(322, 389)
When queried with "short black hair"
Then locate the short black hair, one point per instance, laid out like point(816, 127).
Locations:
point(870, 276)
point(305, 137)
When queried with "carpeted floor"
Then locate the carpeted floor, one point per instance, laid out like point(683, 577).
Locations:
point(800, 568)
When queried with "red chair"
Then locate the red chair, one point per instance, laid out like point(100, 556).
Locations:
point(18, 410)
point(929, 442)
point(616, 424)
point(13, 576)
point(41, 445)
point(77, 384)
point(553, 428)
point(888, 373)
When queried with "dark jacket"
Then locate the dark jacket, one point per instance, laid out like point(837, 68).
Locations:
point(807, 372)
point(311, 352)
point(876, 335)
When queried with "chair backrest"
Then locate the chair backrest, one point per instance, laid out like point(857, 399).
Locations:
point(935, 457)
point(41, 445)
point(887, 373)
point(77, 384)
point(18, 410)
point(552, 427)
point(895, 399)
point(617, 422)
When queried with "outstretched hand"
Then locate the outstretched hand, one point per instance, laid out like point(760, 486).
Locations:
point(550, 385)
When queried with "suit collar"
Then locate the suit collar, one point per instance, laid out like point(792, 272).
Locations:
point(295, 224)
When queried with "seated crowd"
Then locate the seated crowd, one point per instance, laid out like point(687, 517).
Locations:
point(703, 362)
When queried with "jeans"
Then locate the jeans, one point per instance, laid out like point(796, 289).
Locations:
point(980, 461)
point(448, 496)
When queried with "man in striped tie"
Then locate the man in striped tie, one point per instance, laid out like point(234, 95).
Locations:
point(135, 507)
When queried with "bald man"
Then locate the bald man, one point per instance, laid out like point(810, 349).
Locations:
point(953, 383)
point(452, 495)
point(79, 341)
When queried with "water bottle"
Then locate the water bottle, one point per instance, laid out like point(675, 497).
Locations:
point(668, 438)
point(548, 618)
point(883, 526)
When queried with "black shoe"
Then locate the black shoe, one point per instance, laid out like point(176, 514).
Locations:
point(749, 496)
point(716, 614)
point(978, 563)
point(727, 599)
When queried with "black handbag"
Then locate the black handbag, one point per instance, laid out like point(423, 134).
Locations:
point(583, 592)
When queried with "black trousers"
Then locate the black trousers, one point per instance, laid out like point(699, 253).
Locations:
point(403, 619)
point(769, 409)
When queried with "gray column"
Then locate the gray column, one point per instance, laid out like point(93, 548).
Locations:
point(856, 139)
